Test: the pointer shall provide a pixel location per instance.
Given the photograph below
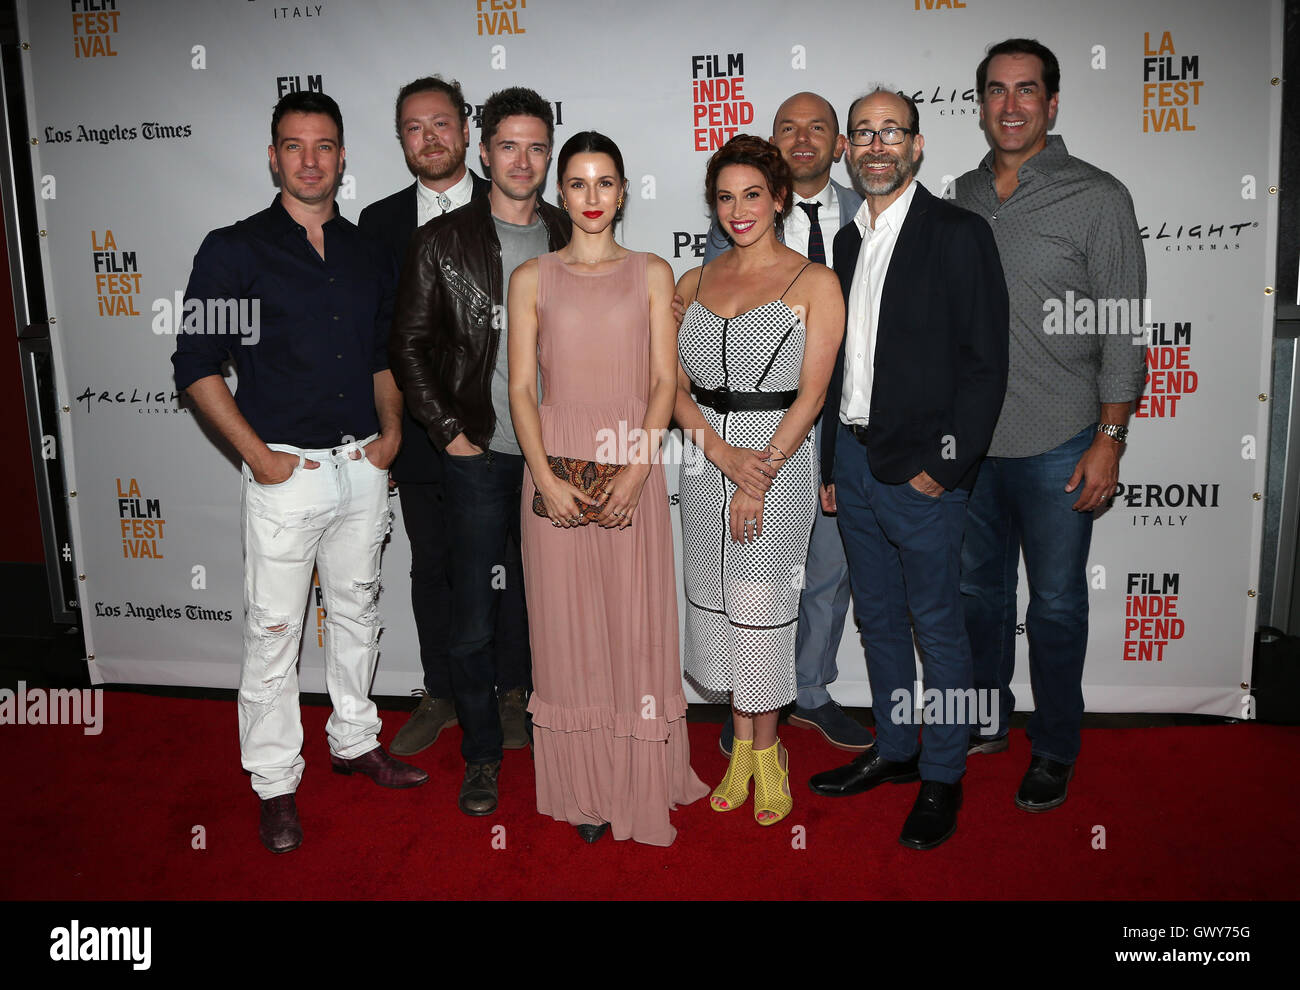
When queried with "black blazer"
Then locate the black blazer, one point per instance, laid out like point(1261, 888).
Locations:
point(941, 349)
point(391, 221)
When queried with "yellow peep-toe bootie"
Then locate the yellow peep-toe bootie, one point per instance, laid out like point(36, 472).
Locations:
point(734, 789)
point(771, 784)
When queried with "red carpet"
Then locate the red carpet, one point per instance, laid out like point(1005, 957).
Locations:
point(1188, 813)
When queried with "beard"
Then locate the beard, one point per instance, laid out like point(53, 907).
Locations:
point(884, 183)
point(809, 170)
point(437, 169)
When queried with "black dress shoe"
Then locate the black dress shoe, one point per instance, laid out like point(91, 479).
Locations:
point(478, 793)
point(862, 774)
point(933, 818)
point(986, 744)
point(279, 829)
point(591, 833)
point(1044, 785)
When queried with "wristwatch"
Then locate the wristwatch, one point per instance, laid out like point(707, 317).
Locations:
point(1116, 432)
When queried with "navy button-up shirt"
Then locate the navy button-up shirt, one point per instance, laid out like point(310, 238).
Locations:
point(306, 334)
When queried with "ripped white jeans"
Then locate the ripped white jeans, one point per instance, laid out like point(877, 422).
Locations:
point(333, 518)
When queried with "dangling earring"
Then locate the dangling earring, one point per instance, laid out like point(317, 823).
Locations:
point(564, 204)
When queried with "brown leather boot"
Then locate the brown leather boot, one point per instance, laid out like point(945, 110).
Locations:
point(279, 829)
point(426, 723)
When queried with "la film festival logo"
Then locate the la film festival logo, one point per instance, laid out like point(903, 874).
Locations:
point(141, 520)
point(94, 26)
point(1151, 619)
point(117, 276)
point(1170, 374)
point(311, 83)
point(500, 16)
point(1171, 86)
point(718, 97)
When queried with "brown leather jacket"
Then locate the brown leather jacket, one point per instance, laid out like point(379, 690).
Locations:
point(449, 317)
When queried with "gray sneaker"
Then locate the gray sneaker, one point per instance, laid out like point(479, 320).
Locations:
point(512, 706)
point(426, 723)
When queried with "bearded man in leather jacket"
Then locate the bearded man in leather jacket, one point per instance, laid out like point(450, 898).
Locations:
point(448, 354)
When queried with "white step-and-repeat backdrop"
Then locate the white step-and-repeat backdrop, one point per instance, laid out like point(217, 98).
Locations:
point(150, 122)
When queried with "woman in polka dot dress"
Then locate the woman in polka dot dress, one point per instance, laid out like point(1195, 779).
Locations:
point(750, 385)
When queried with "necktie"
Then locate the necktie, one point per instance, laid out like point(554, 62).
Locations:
point(444, 201)
point(816, 246)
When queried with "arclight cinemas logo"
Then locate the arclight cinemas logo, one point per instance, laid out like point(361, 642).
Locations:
point(37, 706)
point(77, 944)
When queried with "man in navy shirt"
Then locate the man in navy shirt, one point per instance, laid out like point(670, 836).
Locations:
point(300, 303)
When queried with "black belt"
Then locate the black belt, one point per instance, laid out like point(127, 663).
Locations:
point(859, 432)
point(724, 400)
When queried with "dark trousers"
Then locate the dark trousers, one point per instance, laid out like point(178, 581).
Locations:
point(904, 554)
point(1021, 503)
point(489, 639)
point(426, 530)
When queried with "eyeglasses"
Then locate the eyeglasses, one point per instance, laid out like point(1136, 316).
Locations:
point(863, 136)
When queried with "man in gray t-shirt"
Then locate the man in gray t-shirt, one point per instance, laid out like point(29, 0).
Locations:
point(1076, 278)
point(518, 244)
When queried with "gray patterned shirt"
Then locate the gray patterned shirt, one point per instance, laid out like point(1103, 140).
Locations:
point(1076, 277)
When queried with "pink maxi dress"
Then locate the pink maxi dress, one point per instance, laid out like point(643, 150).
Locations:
point(609, 727)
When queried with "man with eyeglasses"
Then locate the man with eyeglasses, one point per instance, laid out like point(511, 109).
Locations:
point(909, 412)
point(1062, 226)
point(807, 131)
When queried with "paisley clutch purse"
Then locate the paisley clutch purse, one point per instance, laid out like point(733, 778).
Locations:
point(590, 477)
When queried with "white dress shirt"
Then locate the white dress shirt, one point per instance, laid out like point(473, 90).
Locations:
point(797, 225)
point(864, 304)
point(427, 199)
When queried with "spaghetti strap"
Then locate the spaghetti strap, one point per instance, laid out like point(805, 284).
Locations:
point(792, 281)
point(698, 282)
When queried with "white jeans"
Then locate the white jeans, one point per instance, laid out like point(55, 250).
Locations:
point(334, 518)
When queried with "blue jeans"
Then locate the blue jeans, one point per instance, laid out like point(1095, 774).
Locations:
point(904, 554)
point(482, 495)
point(1021, 503)
point(822, 608)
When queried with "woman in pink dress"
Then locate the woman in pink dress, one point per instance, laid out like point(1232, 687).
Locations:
point(609, 728)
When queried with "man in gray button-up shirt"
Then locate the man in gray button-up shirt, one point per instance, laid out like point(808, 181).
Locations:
point(1076, 276)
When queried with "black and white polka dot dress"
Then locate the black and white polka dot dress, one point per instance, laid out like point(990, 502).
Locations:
point(742, 599)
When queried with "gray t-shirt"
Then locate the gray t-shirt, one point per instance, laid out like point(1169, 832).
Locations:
point(1069, 245)
point(518, 244)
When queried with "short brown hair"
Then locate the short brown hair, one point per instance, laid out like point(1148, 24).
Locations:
point(746, 149)
point(430, 84)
